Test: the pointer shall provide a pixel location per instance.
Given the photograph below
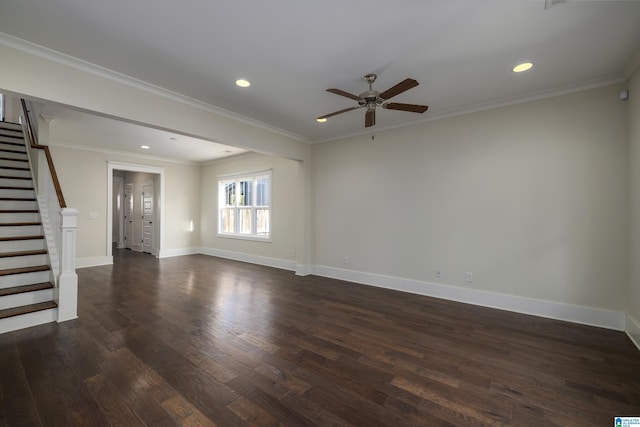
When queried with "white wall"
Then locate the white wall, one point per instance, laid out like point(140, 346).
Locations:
point(633, 318)
point(40, 75)
point(83, 177)
point(532, 199)
point(285, 209)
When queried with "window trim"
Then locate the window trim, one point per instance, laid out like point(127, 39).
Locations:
point(220, 180)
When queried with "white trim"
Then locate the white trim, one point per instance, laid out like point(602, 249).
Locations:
point(168, 253)
point(94, 261)
point(633, 330)
point(88, 67)
point(500, 103)
point(554, 310)
point(252, 176)
point(131, 167)
point(28, 320)
point(304, 269)
point(252, 259)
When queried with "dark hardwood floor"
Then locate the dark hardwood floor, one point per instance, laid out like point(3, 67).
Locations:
point(201, 341)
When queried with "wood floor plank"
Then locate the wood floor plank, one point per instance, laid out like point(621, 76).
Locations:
point(198, 340)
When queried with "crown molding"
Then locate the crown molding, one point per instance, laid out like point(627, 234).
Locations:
point(91, 68)
point(505, 102)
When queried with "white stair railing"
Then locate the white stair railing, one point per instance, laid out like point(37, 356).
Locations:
point(59, 222)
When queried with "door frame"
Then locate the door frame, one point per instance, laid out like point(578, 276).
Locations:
point(128, 201)
point(118, 188)
point(146, 183)
point(159, 199)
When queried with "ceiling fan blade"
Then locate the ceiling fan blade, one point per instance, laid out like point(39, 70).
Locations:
point(370, 118)
point(335, 113)
point(406, 107)
point(404, 85)
point(343, 93)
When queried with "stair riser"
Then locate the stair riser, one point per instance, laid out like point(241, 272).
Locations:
point(22, 261)
point(24, 279)
point(21, 245)
point(13, 164)
point(18, 205)
point(15, 173)
point(28, 320)
point(22, 194)
point(25, 230)
point(7, 136)
point(13, 145)
point(10, 125)
point(26, 298)
point(19, 217)
point(11, 154)
point(23, 183)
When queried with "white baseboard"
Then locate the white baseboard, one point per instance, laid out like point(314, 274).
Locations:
point(554, 310)
point(253, 259)
point(166, 253)
point(633, 330)
point(572, 313)
point(94, 261)
point(304, 269)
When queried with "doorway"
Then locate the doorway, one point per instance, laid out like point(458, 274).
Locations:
point(143, 188)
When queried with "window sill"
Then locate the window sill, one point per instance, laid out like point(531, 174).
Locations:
point(241, 237)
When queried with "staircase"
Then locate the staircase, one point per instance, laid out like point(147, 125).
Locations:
point(26, 291)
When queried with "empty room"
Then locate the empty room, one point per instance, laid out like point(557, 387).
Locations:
point(408, 213)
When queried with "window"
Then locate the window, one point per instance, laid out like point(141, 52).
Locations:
point(244, 206)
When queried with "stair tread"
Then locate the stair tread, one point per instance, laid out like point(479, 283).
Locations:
point(26, 309)
point(14, 168)
point(17, 199)
point(9, 150)
point(19, 224)
point(23, 253)
point(25, 288)
point(7, 133)
point(16, 144)
point(10, 238)
point(15, 177)
point(19, 211)
point(14, 160)
point(21, 270)
point(10, 187)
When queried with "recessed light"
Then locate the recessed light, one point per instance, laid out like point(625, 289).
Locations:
point(522, 67)
point(243, 83)
point(321, 119)
point(144, 147)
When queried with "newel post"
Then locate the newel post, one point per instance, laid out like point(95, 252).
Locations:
point(68, 279)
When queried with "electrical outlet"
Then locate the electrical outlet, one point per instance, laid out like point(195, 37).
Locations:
point(438, 272)
point(345, 260)
point(468, 277)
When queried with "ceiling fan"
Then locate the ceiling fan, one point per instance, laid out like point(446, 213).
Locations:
point(371, 99)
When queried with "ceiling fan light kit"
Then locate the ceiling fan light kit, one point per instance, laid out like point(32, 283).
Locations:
point(370, 99)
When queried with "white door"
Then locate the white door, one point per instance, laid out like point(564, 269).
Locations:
point(147, 216)
point(128, 215)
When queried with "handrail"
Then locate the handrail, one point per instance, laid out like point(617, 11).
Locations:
point(34, 144)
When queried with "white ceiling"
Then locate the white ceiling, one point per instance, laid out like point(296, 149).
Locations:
point(75, 128)
point(461, 51)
